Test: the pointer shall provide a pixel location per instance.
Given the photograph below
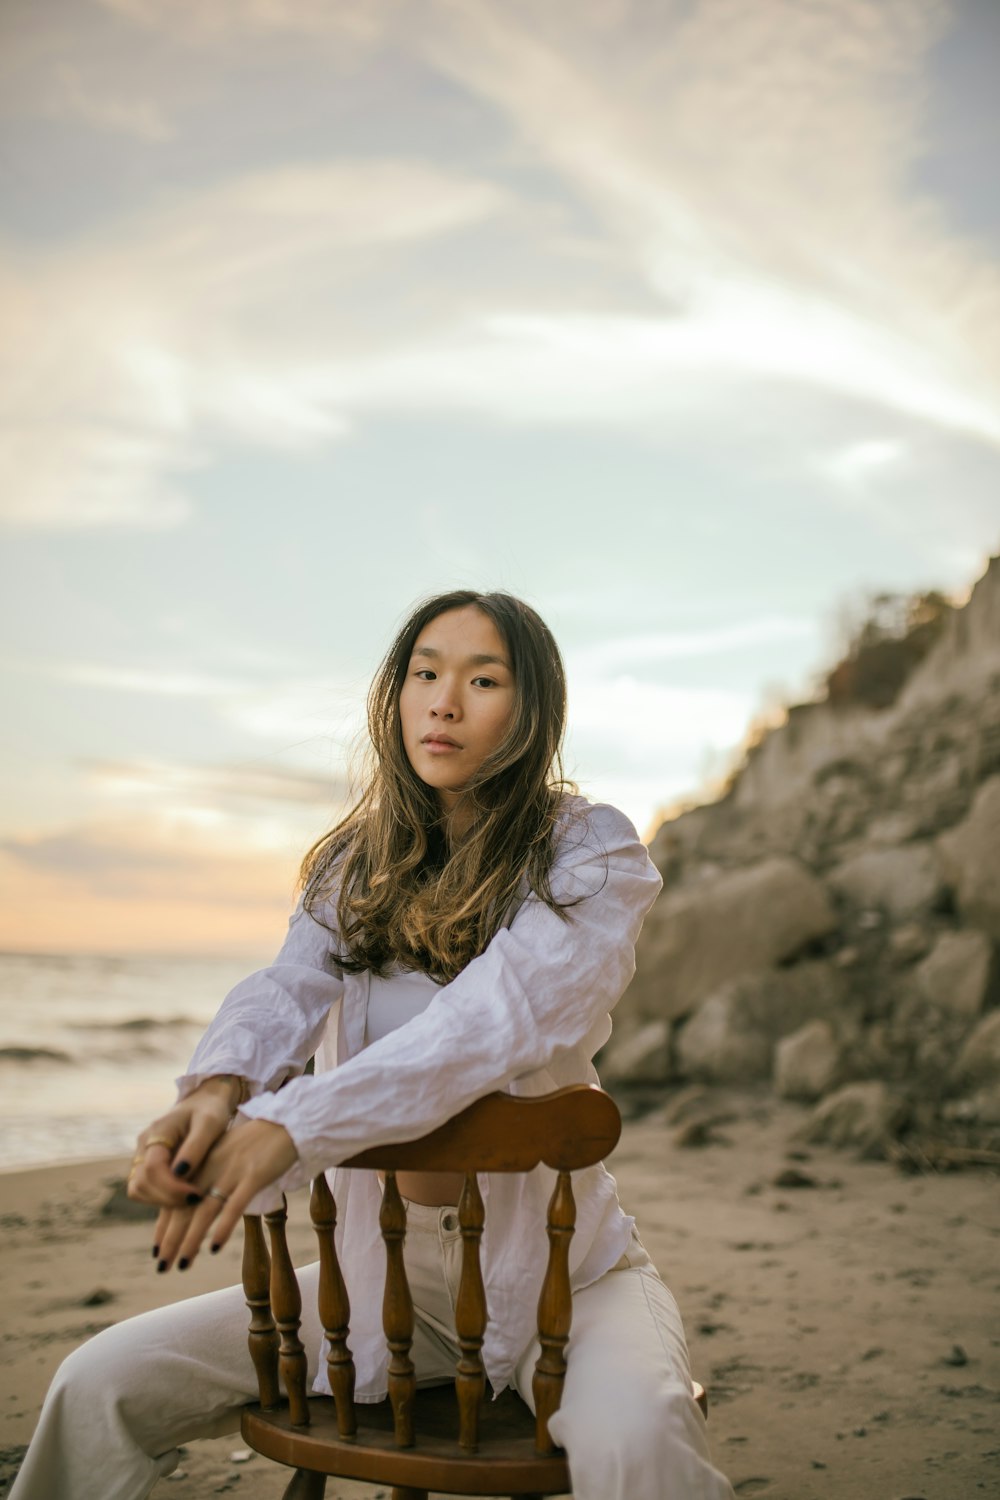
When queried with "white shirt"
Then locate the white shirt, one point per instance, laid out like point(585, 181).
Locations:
point(396, 999)
point(526, 1016)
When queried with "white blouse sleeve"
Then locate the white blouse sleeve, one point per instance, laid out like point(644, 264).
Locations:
point(269, 1026)
point(535, 992)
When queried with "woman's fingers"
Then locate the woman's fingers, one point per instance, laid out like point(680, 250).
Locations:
point(204, 1131)
point(216, 1216)
point(174, 1229)
point(234, 1171)
point(151, 1180)
point(238, 1167)
point(174, 1147)
point(159, 1233)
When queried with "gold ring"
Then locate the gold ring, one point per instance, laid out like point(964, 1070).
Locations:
point(161, 1140)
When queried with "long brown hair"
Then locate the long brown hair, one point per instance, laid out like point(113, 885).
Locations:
point(408, 893)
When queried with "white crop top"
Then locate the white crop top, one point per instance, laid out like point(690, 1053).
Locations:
point(396, 999)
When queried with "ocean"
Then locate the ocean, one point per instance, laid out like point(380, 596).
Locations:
point(90, 1047)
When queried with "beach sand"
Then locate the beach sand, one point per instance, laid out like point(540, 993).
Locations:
point(844, 1317)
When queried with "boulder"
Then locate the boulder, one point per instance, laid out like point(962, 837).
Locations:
point(908, 943)
point(694, 941)
point(859, 1114)
point(970, 858)
point(905, 882)
point(807, 1062)
point(641, 1057)
point(960, 973)
point(979, 1108)
point(979, 1060)
point(731, 1037)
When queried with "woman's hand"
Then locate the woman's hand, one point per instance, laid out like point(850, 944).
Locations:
point(240, 1164)
point(174, 1147)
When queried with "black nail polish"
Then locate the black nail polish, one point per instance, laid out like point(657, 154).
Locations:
point(161, 1265)
point(182, 1168)
point(183, 1263)
point(193, 1198)
point(215, 1249)
point(156, 1252)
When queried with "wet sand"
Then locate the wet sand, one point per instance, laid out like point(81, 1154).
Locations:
point(844, 1317)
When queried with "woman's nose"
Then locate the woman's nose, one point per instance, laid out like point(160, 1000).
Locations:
point(445, 704)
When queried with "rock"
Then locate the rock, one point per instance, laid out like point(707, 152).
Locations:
point(694, 1133)
point(791, 1177)
point(905, 882)
point(640, 1057)
point(118, 1205)
point(960, 974)
point(908, 943)
point(893, 828)
point(980, 1108)
point(731, 1038)
point(693, 941)
point(690, 1103)
point(970, 857)
point(98, 1297)
point(807, 1062)
point(859, 1114)
point(979, 1060)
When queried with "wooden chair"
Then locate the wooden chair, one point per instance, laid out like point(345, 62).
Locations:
point(444, 1439)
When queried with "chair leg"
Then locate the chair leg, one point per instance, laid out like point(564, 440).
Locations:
point(305, 1484)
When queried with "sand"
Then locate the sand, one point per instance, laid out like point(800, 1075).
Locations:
point(844, 1317)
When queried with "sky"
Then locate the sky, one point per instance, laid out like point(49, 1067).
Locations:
point(679, 319)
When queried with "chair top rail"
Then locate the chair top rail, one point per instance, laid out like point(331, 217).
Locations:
point(571, 1128)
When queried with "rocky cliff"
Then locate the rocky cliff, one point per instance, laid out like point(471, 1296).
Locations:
point(832, 923)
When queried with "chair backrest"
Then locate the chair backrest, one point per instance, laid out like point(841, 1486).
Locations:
point(566, 1130)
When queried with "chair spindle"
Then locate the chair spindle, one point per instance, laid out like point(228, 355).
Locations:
point(262, 1337)
point(470, 1317)
point(397, 1314)
point(286, 1305)
point(334, 1308)
point(555, 1307)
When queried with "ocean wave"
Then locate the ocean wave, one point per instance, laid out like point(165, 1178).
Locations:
point(141, 1023)
point(33, 1054)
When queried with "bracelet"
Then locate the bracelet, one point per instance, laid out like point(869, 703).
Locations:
point(243, 1088)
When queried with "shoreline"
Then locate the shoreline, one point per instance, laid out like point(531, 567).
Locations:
point(844, 1317)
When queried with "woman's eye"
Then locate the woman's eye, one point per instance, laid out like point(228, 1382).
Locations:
point(425, 674)
point(484, 682)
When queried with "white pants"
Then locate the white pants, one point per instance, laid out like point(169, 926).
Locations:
point(120, 1405)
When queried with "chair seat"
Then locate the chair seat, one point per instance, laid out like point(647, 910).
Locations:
point(505, 1462)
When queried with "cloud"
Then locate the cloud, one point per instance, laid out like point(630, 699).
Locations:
point(216, 315)
point(636, 652)
point(207, 22)
point(740, 173)
point(853, 465)
point(698, 140)
point(72, 96)
point(234, 785)
point(168, 684)
point(273, 704)
point(110, 887)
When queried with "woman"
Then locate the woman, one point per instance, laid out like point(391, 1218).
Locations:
point(466, 928)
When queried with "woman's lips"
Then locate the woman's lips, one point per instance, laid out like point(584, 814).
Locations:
point(439, 747)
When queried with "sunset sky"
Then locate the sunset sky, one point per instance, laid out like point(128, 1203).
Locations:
point(680, 318)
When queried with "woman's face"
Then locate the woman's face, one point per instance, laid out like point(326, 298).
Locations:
point(456, 700)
